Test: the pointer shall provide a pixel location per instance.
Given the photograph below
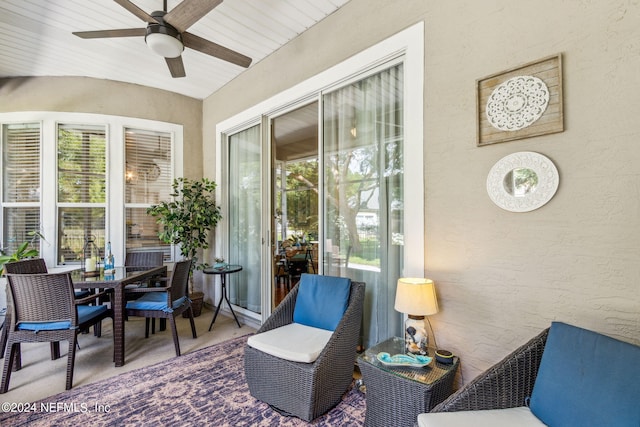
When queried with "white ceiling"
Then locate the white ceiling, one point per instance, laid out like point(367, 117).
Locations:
point(36, 39)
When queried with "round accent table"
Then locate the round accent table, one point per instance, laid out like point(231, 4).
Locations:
point(223, 272)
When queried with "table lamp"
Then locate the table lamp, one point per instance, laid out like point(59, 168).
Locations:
point(417, 298)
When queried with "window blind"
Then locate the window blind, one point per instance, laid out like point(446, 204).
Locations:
point(148, 172)
point(21, 185)
point(21, 163)
point(147, 182)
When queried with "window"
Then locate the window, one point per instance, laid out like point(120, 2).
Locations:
point(71, 176)
point(82, 181)
point(20, 184)
point(147, 181)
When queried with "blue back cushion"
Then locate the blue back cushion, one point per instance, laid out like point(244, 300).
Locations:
point(587, 379)
point(321, 301)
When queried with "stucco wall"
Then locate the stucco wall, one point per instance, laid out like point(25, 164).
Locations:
point(502, 277)
point(89, 95)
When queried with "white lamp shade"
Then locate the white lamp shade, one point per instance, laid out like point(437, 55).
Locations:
point(164, 45)
point(416, 296)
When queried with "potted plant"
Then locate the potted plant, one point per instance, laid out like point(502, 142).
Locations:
point(24, 251)
point(187, 220)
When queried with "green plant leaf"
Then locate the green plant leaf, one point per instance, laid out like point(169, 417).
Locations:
point(189, 217)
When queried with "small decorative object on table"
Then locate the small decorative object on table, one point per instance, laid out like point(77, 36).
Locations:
point(444, 356)
point(408, 360)
point(219, 263)
point(91, 257)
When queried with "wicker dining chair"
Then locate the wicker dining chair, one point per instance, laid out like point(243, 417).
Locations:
point(142, 261)
point(165, 302)
point(25, 266)
point(29, 266)
point(45, 310)
point(306, 390)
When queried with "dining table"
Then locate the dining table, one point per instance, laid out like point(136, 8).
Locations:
point(116, 281)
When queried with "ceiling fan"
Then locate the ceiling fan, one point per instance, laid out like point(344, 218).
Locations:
point(166, 33)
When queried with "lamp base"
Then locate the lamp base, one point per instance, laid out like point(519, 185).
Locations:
point(416, 339)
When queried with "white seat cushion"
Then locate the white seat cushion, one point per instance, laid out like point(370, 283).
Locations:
point(295, 342)
point(520, 417)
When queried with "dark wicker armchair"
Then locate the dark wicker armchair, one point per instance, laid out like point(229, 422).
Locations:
point(45, 310)
point(25, 266)
point(165, 302)
point(31, 266)
point(504, 385)
point(144, 259)
point(306, 390)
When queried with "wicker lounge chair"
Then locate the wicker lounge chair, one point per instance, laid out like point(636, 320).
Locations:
point(565, 376)
point(505, 385)
point(165, 302)
point(306, 390)
point(45, 310)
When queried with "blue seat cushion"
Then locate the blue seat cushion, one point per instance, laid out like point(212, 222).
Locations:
point(321, 301)
point(81, 294)
point(85, 313)
point(155, 301)
point(587, 379)
point(44, 326)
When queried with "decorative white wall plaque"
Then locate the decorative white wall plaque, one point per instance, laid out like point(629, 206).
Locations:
point(522, 182)
point(519, 103)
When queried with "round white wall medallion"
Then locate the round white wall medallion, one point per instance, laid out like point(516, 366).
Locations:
point(517, 103)
point(522, 182)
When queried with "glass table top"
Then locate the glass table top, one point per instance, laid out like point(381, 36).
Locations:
point(427, 374)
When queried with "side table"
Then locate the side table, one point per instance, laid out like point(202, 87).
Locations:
point(222, 272)
point(396, 395)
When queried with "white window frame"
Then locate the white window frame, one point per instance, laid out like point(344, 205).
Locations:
point(115, 126)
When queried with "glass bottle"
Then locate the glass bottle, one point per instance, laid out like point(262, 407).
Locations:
point(109, 260)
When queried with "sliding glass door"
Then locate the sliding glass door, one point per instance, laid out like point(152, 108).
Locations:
point(364, 192)
point(245, 212)
point(367, 170)
point(357, 153)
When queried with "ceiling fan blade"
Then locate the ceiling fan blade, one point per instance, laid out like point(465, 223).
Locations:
point(136, 11)
point(126, 32)
point(176, 66)
point(189, 12)
point(214, 49)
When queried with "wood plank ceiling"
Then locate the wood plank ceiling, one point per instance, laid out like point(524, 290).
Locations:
point(36, 40)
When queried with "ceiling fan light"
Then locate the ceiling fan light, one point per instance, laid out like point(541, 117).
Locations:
point(164, 44)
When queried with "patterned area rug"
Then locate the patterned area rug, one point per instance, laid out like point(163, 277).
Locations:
point(203, 388)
